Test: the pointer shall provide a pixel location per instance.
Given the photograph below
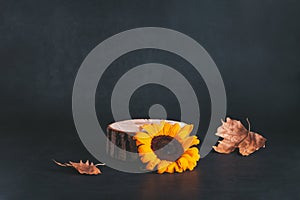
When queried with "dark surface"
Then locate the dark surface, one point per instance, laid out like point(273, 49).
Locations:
point(27, 172)
point(255, 45)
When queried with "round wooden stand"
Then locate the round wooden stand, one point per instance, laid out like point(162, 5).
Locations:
point(120, 134)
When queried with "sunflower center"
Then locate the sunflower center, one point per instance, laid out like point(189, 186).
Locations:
point(166, 148)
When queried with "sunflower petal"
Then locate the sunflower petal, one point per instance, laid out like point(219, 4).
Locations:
point(187, 143)
point(170, 168)
point(195, 141)
point(182, 163)
point(151, 164)
point(191, 166)
point(142, 138)
point(177, 168)
point(187, 157)
point(146, 157)
point(166, 128)
point(141, 135)
point(153, 129)
point(144, 149)
point(162, 166)
point(190, 162)
point(192, 156)
point(174, 129)
point(185, 131)
point(194, 153)
point(143, 141)
point(173, 168)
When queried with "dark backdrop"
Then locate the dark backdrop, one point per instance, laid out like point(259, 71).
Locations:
point(255, 45)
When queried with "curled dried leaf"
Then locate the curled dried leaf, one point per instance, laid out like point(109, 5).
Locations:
point(251, 143)
point(235, 135)
point(81, 167)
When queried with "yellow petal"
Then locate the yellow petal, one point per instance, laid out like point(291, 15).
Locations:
point(196, 157)
point(174, 129)
point(153, 129)
point(143, 141)
point(144, 149)
point(183, 163)
point(194, 153)
point(185, 131)
point(162, 166)
point(177, 168)
point(146, 157)
point(141, 135)
point(186, 156)
point(191, 162)
point(191, 166)
point(151, 164)
point(163, 163)
point(166, 128)
point(191, 155)
point(170, 168)
point(187, 143)
point(195, 141)
point(142, 138)
point(161, 170)
point(173, 167)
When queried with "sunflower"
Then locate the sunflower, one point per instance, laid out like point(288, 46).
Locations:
point(167, 147)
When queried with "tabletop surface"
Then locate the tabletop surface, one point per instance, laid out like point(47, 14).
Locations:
point(27, 172)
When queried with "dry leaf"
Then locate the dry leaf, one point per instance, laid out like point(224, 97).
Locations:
point(82, 168)
point(237, 136)
point(251, 143)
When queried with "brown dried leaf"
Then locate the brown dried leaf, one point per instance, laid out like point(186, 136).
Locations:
point(251, 143)
point(82, 168)
point(237, 136)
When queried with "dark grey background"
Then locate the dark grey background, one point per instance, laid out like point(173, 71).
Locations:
point(255, 45)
